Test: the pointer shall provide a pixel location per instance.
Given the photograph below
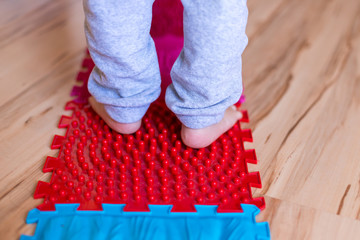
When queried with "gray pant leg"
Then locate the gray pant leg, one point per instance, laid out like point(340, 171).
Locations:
point(126, 78)
point(207, 75)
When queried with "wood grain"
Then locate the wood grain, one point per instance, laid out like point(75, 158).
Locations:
point(302, 83)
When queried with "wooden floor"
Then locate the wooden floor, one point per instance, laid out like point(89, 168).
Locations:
point(302, 83)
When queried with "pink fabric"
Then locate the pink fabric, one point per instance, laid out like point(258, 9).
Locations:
point(167, 32)
point(167, 18)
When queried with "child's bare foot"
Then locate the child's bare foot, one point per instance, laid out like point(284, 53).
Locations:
point(124, 128)
point(203, 137)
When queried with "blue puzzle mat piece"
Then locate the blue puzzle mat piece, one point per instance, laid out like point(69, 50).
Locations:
point(160, 223)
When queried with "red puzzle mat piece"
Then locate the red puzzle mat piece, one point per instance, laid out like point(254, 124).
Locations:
point(96, 165)
point(152, 166)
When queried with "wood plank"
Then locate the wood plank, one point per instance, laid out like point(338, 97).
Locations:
point(299, 137)
point(297, 222)
point(42, 46)
point(37, 42)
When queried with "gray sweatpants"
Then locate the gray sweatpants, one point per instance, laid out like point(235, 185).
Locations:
point(206, 76)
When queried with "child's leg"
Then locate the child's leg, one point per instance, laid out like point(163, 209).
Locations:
point(126, 78)
point(207, 75)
